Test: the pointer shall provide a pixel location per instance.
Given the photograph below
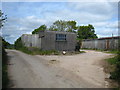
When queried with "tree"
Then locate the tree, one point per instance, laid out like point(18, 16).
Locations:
point(2, 19)
point(61, 25)
point(18, 44)
point(71, 26)
point(5, 44)
point(41, 28)
point(58, 25)
point(86, 32)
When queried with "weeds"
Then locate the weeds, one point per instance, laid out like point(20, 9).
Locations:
point(5, 79)
point(106, 51)
point(115, 63)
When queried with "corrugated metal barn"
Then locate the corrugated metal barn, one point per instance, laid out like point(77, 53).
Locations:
point(108, 43)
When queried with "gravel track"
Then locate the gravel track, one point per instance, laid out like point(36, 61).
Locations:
point(57, 71)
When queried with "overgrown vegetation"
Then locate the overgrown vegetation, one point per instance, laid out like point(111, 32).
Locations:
point(2, 19)
point(106, 51)
point(5, 79)
point(19, 46)
point(41, 28)
point(36, 51)
point(7, 45)
point(59, 25)
point(116, 74)
point(86, 32)
point(62, 25)
point(83, 32)
point(32, 50)
point(41, 52)
point(4, 44)
point(115, 70)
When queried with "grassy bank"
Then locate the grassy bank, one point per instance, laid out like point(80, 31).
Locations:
point(114, 69)
point(106, 51)
point(5, 79)
point(36, 51)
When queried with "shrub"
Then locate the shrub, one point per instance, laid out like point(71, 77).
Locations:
point(116, 73)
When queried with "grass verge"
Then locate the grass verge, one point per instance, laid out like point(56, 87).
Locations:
point(113, 67)
point(106, 51)
point(37, 51)
point(5, 79)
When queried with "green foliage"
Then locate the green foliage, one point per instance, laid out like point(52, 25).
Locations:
point(113, 60)
point(41, 52)
point(19, 46)
point(41, 28)
point(5, 44)
point(18, 43)
point(112, 51)
point(5, 79)
point(61, 25)
point(32, 50)
point(116, 62)
point(2, 18)
point(86, 32)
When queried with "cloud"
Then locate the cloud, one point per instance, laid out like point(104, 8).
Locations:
point(101, 15)
point(20, 26)
point(60, 0)
point(106, 24)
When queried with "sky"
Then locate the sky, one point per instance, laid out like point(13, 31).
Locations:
point(24, 17)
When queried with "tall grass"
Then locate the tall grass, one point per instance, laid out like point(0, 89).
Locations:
point(5, 79)
point(115, 74)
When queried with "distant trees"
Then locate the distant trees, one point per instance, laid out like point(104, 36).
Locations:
point(86, 32)
point(42, 27)
point(83, 32)
point(59, 25)
point(5, 44)
point(2, 18)
point(18, 43)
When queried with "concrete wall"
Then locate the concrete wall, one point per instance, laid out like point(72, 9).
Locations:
point(47, 41)
point(104, 44)
point(31, 40)
point(26, 39)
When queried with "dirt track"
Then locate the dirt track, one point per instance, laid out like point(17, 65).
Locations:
point(57, 71)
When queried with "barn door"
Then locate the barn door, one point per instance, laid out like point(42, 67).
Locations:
point(107, 44)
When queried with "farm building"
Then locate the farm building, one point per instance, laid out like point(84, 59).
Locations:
point(51, 40)
point(107, 43)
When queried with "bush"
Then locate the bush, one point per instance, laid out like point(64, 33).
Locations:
point(116, 62)
point(32, 50)
point(5, 79)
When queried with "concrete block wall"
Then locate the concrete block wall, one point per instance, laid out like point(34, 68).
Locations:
point(26, 39)
point(31, 40)
point(47, 41)
point(36, 41)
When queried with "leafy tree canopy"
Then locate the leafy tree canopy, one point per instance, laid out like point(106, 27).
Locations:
point(2, 18)
point(42, 27)
point(5, 43)
point(61, 25)
point(83, 32)
point(86, 32)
